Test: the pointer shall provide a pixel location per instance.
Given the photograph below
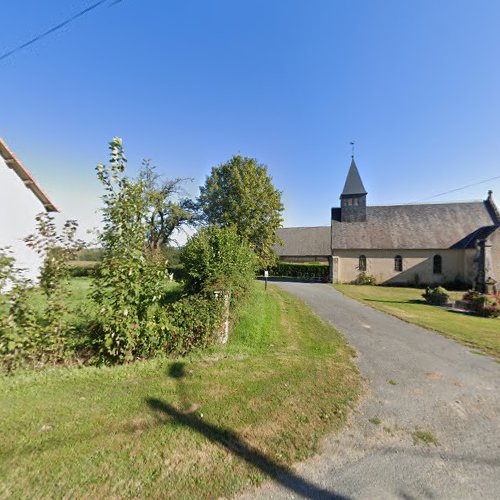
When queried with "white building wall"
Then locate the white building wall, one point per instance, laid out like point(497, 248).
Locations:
point(417, 266)
point(18, 209)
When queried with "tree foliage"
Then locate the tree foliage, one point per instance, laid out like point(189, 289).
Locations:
point(240, 193)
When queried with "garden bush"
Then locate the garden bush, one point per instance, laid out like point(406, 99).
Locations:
point(364, 279)
point(436, 296)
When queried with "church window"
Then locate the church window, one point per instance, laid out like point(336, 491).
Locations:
point(362, 263)
point(398, 263)
point(349, 202)
point(355, 202)
point(437, 264)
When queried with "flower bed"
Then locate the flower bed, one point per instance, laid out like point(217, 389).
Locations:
point(481, 304)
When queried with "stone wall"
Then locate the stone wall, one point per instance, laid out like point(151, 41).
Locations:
point(495, 253)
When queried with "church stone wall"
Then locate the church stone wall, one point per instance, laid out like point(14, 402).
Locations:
point(495, 254)
point(457, 265)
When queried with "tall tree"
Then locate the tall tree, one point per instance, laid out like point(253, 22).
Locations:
point(240, 193)
point(169, 208)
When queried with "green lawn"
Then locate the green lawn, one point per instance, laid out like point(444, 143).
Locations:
point(408, 304)
point(200, 427)
point(78, 302)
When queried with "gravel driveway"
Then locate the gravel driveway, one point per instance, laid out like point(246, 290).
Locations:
point(421, 387)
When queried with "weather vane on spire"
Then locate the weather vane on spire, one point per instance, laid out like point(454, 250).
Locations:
point(352, 149)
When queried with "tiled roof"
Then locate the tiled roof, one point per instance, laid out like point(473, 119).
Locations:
point(437, 225)
point(24, 174)
point(304, 241)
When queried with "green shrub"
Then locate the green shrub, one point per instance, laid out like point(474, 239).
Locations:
point(364, 279)
point(436, 296)
point(190, 322)
point(296, 270)
point(218, 259)
point(29, 336)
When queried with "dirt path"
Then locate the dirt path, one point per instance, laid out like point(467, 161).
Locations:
point(421, 387)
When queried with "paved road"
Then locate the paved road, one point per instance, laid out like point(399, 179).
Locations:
point(441, 388)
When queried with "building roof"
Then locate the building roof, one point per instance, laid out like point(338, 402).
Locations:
point(353, 183)
point(432, 226)
point(304, 241)
point(23, 173)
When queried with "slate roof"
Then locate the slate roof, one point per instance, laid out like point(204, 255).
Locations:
point(433, 226)
point(304, 241)
point(353, 183)
point(24, 174)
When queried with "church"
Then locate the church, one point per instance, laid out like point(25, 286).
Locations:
point(412, 244)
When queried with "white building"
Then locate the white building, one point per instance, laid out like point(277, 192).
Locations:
point(21, 199)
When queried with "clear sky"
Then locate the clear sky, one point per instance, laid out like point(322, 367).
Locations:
point(189, 83)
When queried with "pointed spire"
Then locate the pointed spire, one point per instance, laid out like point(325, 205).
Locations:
point(353, 183)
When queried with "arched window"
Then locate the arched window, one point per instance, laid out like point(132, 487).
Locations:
point(437, 264)
point(362, 263)
point(398, 263)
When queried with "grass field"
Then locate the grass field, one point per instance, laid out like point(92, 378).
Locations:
point(408, 304)
point(199, 427)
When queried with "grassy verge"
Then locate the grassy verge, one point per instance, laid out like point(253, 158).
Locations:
point(203, 426)
point(407, 304)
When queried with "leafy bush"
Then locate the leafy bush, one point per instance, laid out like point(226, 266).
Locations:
point(219, 259)
point(128, 282)
point(296, 270)
point(364, 279)
point(483, 304)
point(189, 323)
point(29, 336)
point(436, 296)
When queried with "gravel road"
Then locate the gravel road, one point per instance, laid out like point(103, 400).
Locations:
point(417, 382)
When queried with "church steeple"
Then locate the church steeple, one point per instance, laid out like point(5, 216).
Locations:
point(353, 197)
point(353, 183)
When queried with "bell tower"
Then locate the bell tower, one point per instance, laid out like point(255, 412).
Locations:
point(353, 197)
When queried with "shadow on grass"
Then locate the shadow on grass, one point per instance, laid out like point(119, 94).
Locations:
point(411, 301)
point(234, 443)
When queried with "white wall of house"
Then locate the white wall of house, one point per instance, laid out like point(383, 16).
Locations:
point(18, 208)
point(456, 265)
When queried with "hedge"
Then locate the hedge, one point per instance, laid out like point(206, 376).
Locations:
point(293, 270)
point(79, 269)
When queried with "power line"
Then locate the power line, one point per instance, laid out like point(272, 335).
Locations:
point(55, 28)
point(458, 189)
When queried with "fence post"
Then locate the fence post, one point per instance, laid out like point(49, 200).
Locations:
point(223, 331)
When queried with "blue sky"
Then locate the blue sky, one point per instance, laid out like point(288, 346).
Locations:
point(189, 83)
